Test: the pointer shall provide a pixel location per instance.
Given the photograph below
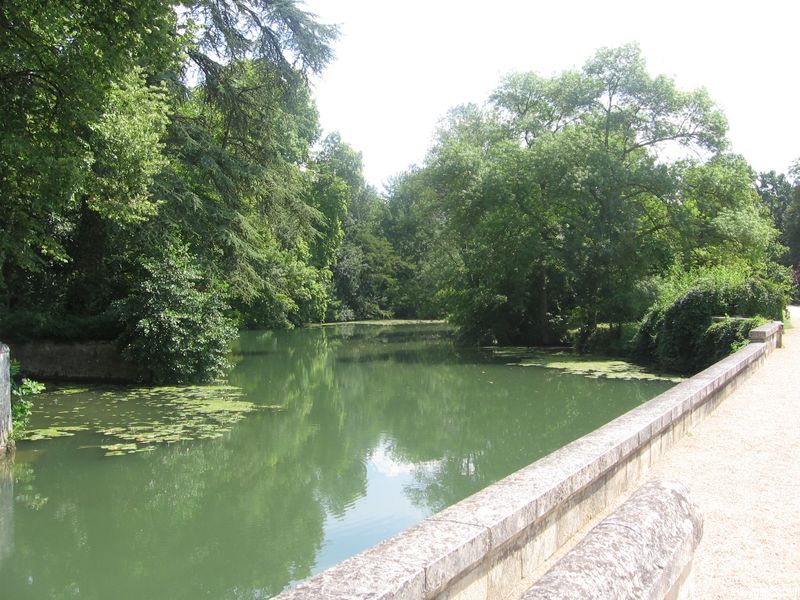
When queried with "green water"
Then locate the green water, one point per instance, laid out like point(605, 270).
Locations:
point(322, 443)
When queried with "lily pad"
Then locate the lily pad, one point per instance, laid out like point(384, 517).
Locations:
point(137, 419)
point(48, 433)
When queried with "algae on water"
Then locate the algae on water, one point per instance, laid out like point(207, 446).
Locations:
point(136, 419)
point(48, 433)
point(578, 364)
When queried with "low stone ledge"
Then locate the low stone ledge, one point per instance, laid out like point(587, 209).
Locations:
point(411, 565)
point(643, 550)
point(508, 529)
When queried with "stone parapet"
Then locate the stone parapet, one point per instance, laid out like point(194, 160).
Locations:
point(643, 550)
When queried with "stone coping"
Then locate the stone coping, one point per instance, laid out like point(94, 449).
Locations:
point(424, 560)
point(644, 549)
point(768, 331)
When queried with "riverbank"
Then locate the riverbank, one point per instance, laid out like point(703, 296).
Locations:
point(740, 466)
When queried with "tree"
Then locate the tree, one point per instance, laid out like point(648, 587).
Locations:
point(65, 70)
point(775, 191)
point(791, 225)
point(557, 204)
point(134, 131)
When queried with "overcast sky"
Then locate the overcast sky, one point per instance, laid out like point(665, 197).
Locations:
point(401, 64)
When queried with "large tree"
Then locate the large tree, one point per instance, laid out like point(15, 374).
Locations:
point(140, 134)
point(563, 195)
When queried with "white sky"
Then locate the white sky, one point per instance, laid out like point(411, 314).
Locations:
point(401, 64)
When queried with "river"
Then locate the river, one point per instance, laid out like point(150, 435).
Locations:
point(322, 442)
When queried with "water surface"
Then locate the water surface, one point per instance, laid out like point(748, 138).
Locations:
point(321, 443)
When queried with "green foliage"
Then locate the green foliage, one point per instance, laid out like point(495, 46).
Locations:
point(775, 191)
point(174, 321)
point(131, 131)
point(673, 333)
point(791, 229)
point(21, 403)
point(126, 140)
point(425, 261)
point(553, 208)
point(364, 264)
point(608, 340)
point(722, 338)
point(65, 68)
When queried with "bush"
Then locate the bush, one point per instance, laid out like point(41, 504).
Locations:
point(607, 340)
point(21, 405)
point(681, 326)
point(673, 335)
point(722, 338)
point(174, 325)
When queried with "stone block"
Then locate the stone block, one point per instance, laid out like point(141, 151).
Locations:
point(505, 573)
point(413, 564)
point(503, 510)
point(616, 481)
point(541, 545)
point(474, 586)
point(363, 577)
point(769, 332)
point(642, 550)
point(579, 509)
point(444, 549)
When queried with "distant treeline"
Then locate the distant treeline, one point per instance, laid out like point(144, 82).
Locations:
point(164, 181)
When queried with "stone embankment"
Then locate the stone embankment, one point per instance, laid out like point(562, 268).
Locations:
point(5, 399)
point(93, 361)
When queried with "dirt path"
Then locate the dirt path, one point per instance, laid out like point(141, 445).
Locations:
point(742, 468)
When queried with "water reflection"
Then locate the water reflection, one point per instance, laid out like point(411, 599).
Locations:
point(6, 507)
point(380, 427)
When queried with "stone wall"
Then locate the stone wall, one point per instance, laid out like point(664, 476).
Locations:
point(482, 547)
point(76, 361)
point(5, 399)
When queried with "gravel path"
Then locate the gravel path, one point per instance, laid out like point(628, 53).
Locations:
point(742, 468)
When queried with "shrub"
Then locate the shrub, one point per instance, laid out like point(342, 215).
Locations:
point(607, 340)
point(722, 338)
point(175, 325)
point(673, 334)
point(681, 326)
point(21, 404)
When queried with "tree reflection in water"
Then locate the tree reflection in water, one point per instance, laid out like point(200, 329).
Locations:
point(244, 515)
